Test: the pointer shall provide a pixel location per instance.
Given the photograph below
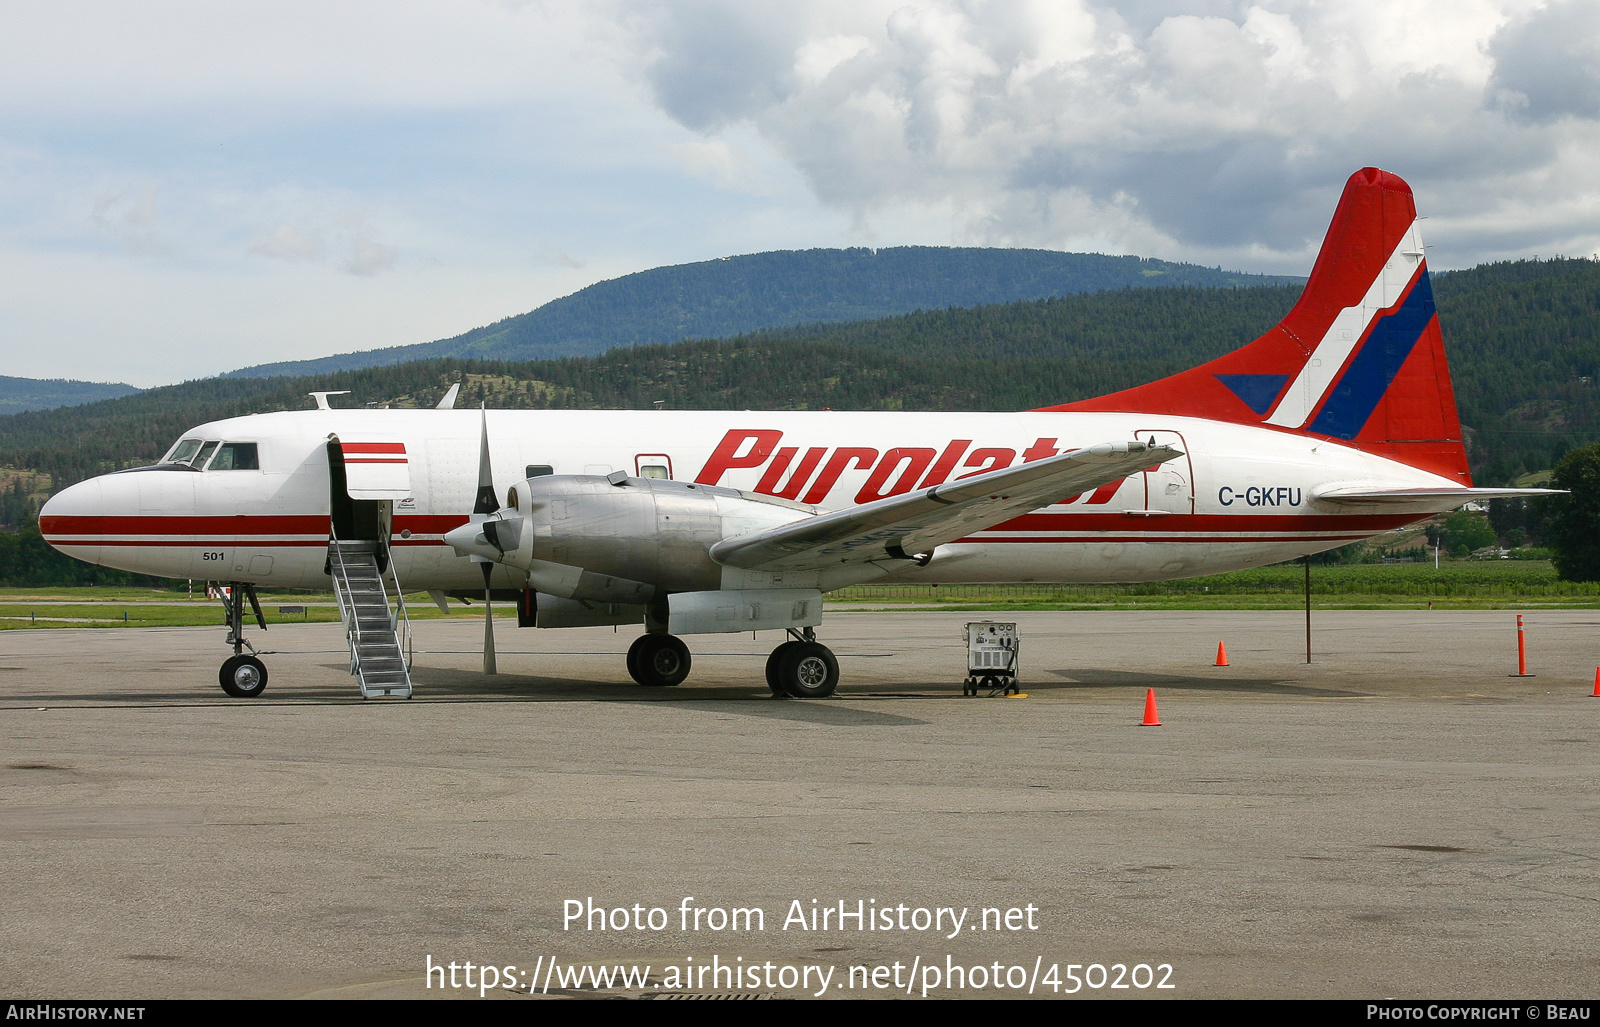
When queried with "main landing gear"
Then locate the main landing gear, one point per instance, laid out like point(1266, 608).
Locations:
point(243, 675)
point(802, 667)
point(658, 660)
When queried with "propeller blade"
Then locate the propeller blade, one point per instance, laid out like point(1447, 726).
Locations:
point(486, 502)
point(485, 505)
point(488, 623)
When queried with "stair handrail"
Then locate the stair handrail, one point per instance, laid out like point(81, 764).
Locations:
point(400, 620)
point(351, 621)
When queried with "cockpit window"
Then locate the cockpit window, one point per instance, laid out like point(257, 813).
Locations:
point(183, 452)
point(236, 456)
point(205, 454)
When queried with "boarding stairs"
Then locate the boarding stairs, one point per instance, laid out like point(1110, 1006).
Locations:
point(379, 635)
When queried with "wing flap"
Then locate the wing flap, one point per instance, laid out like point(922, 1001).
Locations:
point(916, 522)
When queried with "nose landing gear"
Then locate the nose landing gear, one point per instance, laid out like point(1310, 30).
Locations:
point(243, 675)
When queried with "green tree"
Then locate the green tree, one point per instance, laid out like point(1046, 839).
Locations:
point(1465, 531)
point(1573, 526)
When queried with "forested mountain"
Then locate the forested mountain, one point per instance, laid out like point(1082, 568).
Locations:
point(717, 299)
point(19, 394)
point(1523, 339)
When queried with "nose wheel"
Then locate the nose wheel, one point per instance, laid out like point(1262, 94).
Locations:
point(243, 675)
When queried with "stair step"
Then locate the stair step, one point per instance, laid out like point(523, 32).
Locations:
point(374, 645)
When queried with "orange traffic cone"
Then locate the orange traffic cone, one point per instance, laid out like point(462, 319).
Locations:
point(1222, 655)
point(1596, 693)
point(1150, 717)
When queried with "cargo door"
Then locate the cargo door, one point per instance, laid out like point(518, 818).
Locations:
point(1168, 487)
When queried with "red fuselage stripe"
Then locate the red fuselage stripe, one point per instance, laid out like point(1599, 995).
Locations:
point(320, 543)
point(241, 524)
point(437, 524)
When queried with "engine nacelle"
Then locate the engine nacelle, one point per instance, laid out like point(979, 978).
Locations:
point(618, 539)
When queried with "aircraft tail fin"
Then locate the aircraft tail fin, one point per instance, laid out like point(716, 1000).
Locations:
point(1359, 359)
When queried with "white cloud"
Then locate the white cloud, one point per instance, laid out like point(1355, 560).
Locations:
point(289, 242)
point(368, 258)
point(307, 177)
point(129, 215)
point(1214, 131)
point(1547, 62)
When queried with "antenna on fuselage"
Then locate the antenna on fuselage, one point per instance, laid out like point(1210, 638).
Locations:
point(322, 398)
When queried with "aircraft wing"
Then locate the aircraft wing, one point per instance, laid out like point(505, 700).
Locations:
point(904, 526)
point(1355, 493)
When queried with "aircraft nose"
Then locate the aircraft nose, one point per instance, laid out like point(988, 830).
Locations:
point(70, 519)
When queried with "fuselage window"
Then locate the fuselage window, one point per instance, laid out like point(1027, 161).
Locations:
point(652, 471)
point(538, 470)
point(236, 456)
point(183, 452)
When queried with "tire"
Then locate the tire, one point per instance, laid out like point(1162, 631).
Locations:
point(243, 676)
point(659, 660)
point(772, 667)
point(633, 659)
point(809, 671)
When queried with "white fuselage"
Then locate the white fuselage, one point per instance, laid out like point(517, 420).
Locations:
point(1240, 496)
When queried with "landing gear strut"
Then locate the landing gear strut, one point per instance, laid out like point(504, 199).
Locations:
point(803, 667)
point(658, 660)
point(243, 675)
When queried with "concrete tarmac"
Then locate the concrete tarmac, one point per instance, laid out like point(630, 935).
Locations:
point(1399, 819)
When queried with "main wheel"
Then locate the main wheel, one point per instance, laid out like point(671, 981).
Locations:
point(772, 667)
point(808, 671)
point(633, 658)
point(243, 676)
point(658, 660)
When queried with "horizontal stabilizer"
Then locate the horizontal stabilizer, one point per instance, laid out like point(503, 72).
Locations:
point(1368, 494)
point(902, 527)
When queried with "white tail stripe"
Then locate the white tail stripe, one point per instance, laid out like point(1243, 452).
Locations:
point(1314, 379)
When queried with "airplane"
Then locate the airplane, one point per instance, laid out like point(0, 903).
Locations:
point(1336, 425)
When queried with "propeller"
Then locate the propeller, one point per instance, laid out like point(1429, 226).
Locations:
point(485, 505)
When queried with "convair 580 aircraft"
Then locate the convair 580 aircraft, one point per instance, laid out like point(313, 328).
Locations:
point(1336, 425)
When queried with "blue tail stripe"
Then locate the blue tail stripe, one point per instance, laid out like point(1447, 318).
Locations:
point(1360, 389)
point(1257, 391)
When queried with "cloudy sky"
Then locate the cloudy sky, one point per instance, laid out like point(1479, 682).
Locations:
point(190, 187)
